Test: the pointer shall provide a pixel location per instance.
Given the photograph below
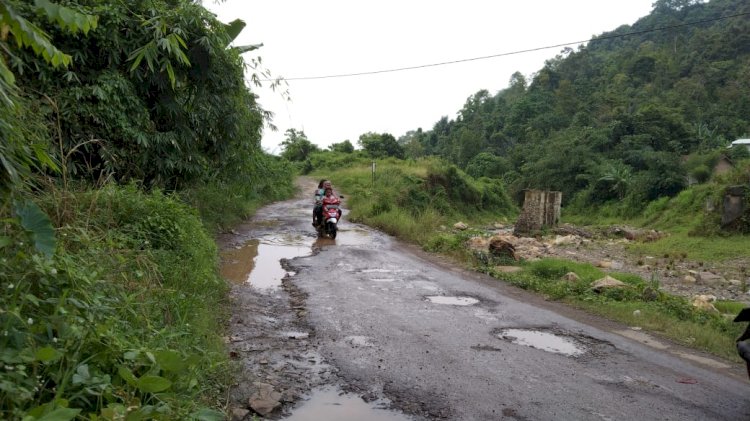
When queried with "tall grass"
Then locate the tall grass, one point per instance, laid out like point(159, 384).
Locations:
point(223, 203)
point(121, 321)
point(414, 199)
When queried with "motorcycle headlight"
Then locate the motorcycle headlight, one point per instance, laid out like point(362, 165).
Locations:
point(332, 220)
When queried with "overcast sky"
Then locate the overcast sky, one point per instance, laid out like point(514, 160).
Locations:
point(305, 38)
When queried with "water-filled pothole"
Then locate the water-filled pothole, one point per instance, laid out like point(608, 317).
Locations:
point(295, 335)
point(329, 404)
point(543, 340)
point(453, 301)
point(257, 262)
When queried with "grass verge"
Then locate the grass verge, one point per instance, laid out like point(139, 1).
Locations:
point(126, 319)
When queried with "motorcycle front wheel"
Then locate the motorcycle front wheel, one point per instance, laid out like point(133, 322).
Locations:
point(331, 230)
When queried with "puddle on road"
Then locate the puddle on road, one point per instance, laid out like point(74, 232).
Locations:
point(346, 237)
point(257, 262)
point(294, 335)
point(329, 405)
point(543, 340)
point(453, 301)
point(237, 263)
point(353, 237)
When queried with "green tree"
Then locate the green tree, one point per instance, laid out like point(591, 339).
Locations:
point(486, 164)
point(161, 98)
point(342, 147)
point(296, 146)
point(616, 178)
point(380, 145)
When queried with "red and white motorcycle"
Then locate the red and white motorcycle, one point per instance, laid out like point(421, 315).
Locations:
point(331, 217)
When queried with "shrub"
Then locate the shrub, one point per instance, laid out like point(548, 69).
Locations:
point(121, 319)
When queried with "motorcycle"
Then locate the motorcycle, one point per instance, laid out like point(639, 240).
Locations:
point(743, 342)
point(331, 216)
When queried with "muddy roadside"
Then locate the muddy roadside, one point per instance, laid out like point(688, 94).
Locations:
point(608, 249)
point(280, 372)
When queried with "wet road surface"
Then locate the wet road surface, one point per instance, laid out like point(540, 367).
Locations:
point(367, 315)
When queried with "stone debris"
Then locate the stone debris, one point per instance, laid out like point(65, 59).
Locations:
point(689, 279)
point(460, 226)
point(604, 264)
point(571, 277)
point(705, 302)
point(265, 399)
point(605, 248)
point(239, 414)
point(709, 278)
point(606, 283)
point(500, 247)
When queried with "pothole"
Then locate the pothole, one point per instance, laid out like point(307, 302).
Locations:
point(544, 341)
point(294, 335)
point(453, 301)
point(257, 262)
point(330, 404)
point(353, 237)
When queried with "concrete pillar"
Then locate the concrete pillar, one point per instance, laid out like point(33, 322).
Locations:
point(540, 209)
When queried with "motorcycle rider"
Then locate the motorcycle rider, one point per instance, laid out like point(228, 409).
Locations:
point(319, 195)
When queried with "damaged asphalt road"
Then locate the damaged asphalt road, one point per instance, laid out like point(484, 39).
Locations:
point(381, 325)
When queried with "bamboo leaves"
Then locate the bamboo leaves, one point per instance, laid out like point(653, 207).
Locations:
point(67, 18)
point(161, 49)
point(28, 35)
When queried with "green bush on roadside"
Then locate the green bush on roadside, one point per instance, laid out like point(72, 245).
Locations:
point(121, 320)
point(225, 203)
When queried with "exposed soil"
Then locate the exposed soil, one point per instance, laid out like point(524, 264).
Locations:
point(673, 275)
point(607, 249)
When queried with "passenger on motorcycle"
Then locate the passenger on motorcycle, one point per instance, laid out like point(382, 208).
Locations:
point(331, 201)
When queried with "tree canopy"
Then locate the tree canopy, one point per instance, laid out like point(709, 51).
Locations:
point(611, 120)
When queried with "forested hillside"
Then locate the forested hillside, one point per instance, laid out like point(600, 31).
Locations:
point(622, 120)
point(128, 135)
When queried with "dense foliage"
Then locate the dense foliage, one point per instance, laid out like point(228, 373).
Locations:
point(154, 94)
point(613, 121)
point(121, 321)
point(108, 285)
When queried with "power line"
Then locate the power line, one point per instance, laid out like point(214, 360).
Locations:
point(444, 63)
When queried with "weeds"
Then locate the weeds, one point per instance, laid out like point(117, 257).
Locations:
point(121, 321)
